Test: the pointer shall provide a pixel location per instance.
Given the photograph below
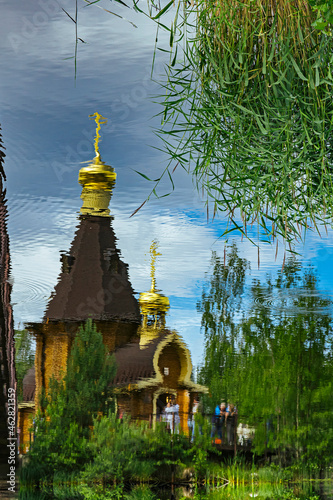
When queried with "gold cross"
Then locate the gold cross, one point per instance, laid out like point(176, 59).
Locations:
point(154, 254)
point(99, 119)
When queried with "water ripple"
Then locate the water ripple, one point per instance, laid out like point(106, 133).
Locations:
point(296, 301)
point(32, 289)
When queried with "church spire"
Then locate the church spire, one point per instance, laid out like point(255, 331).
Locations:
point(94, 281)
point(152, 304)
point(154, 254)
point(97, 179)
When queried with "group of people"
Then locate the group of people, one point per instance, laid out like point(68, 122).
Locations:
point(170, 415)
point(224, 420)
point(223, 424)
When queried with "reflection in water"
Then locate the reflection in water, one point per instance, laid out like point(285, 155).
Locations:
point(154, 364)
point(260, 489)
point(7, 367)
point(276, 367)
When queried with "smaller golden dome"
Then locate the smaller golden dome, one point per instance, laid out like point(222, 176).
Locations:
point(153, 302)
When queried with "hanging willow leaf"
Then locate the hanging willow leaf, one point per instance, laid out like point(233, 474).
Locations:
point(298, 71)
point(250, 113)
point(164, 10)
point(70, 17)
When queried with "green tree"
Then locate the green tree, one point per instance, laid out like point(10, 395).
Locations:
point(287, 365)
point(279, 369)
point(62, 427)
point(221, 302)
point(89, 375)
point(24, 358)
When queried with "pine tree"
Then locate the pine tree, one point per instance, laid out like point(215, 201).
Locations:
point(62, 428)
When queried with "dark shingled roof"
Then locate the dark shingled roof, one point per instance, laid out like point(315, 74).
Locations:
point(134, 363)
point(29, 385)
point(94, 281)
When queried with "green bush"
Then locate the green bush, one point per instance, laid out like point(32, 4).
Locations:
point(130, 451)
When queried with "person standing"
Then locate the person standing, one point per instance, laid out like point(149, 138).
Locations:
point(168, 412)
point(223, 415)
point(191, 418)
point(176, 417)
point(172, 416)
point(231, 416)
point(217, 427)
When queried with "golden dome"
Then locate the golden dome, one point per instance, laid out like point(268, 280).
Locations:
point(97, 175)
point(153, 302)
point(97, 180)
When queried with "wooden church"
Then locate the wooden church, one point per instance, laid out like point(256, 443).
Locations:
point(153, 362)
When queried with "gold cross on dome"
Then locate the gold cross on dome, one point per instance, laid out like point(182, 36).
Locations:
point(99, 119)
point(154, 254)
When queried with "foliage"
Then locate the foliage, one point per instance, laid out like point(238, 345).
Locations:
point(98, 492)
point(24, 358)
point(65, 486)
point(324, 10)
point(90, 373)
point(62, 426)
point(261, 491)
point(201, 447)
point(282, 352)
point(141, 493)
point(123, 451)
point(248, 111)
point(221, 302)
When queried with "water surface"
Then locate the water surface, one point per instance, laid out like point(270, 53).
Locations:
point(47, 134)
